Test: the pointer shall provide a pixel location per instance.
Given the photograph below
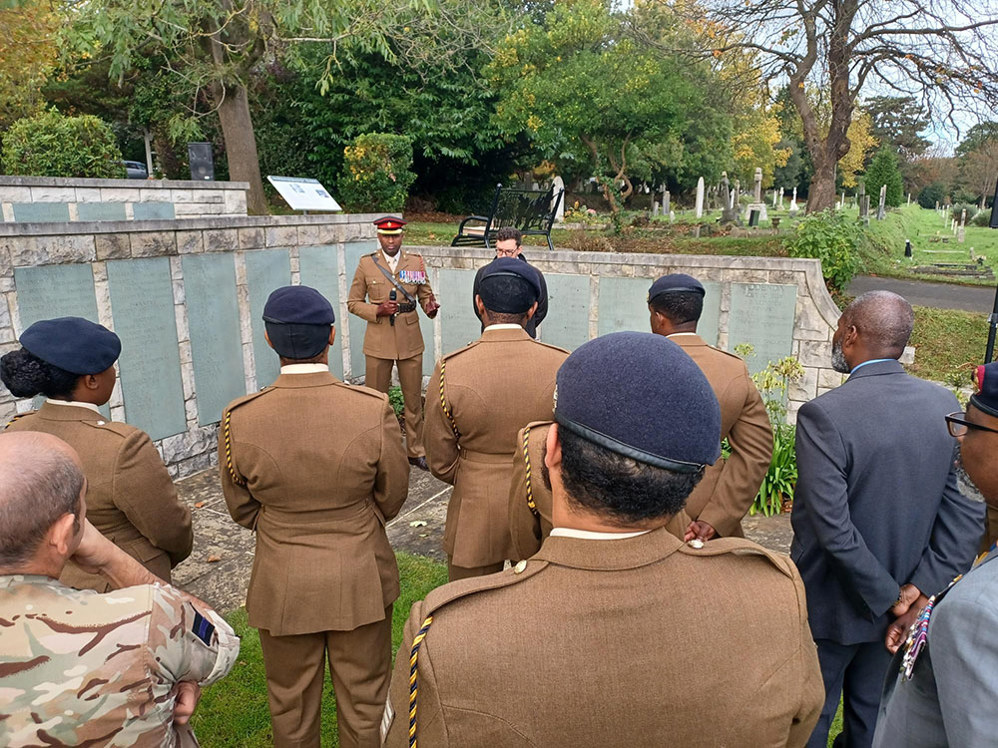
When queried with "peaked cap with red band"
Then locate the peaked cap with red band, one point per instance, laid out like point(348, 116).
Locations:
point(986, 381)
point(390, 225)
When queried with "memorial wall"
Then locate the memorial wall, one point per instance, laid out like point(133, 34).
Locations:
point(186, 297)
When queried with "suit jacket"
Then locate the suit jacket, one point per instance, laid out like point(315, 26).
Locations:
point(384, 339)
point(530, 525)
point(542, 301)
point(492, 388)
point(315, 467)
point(131, 498)
point(950, 699)
point(876, 504)
point(615, 643)
point(728, 487)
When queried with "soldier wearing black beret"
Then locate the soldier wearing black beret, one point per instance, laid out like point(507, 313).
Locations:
point(316, 468)
point(131, 498)
point(509, 244)
point(616, 633)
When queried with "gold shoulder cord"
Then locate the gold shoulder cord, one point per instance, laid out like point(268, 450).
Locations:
point(526, 461)
point(414, 679)
point(18, 417)
point(443, 401)
point(236, 478)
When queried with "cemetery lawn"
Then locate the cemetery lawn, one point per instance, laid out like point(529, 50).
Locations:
point(948, 344)
point(234, 711)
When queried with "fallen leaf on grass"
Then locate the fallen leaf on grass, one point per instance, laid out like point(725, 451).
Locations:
point(214, 559)
point(418, 523)
point(199, 504)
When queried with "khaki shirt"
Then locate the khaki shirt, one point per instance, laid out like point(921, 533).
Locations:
point(82, 668)
point(370, 288)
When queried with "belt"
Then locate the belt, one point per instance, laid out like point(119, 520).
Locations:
point(487, 457)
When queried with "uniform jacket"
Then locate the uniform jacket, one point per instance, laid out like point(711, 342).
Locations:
point(635, 642)
point(492, 389)
point(91, 669)
point(131, 498)
point(382, 339)
point(316, 469)
point(530, 500)
point(729, 486)
point(876, 504)
point(950, 699)
point(542, 301)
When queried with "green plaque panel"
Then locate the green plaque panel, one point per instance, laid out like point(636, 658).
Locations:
point(567, 322)
point(623, 306)
point(459, 325)
point(762, 314)
point(154, 212)
point(144, 317)
point(319, 269)
point(266, 270)
point(41, 212)
point(213, 317)
point(101, 211)
point(354, 251)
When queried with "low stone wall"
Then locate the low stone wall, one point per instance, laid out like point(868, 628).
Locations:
point(57, 199)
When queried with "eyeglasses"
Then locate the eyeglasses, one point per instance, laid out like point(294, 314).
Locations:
point(506, 252)
point(958, 425)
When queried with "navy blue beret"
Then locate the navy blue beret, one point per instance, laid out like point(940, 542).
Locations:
point(640, 396)
point(72, 343)
point(986, 397)
point(515, 297)
point(298, 320)
point(675, 283)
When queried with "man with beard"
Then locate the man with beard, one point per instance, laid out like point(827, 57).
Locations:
point(878, 519)
point(945, 679)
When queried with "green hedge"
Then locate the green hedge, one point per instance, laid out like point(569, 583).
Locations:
point(832, 238)
point(378, 175)
point(52, 145)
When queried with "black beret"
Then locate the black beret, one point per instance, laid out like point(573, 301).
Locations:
point(72, 343)
point(986, 397)
point(509, 298)
point(298, 320)
point(675, 283)
point(640, 396)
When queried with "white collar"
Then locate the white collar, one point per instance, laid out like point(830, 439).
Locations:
point(75, 404)
point(504, 326)
point(392, 261)
point(304, 368)
point(677, 334)
point(571, 532)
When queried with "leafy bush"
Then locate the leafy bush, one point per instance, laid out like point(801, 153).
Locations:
point(956, 211)
point(832, 238)
point(377, 174)
point(52, 145)
point(396, 400)
point(883, 169)
point(983, 218)
point(932, 194)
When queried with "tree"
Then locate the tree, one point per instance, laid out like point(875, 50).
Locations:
point(756, 144)
point(978, 169)
point(28, 55)
point(861, 141)
point(899, 120)
point(883, 169)
point(939, 50)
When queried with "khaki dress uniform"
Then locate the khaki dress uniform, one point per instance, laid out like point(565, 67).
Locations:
point(724, 495)
point(641, 641)
point(315, 467)
point(387, 344)
point(530, 500)
point(131, 498)
point(479, 398)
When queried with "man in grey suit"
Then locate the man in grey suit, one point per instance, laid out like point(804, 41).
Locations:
point(946, 688)
point(878, 519)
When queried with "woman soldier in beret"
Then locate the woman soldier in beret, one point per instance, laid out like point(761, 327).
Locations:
point(130, 496)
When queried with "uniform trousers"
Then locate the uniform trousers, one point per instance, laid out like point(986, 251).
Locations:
point(464, 572)
point(360, 665)
point(856, 673)
point(378, 376)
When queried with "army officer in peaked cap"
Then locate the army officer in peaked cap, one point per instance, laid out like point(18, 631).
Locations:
point(131, 498)
point(316, 468)
point(387, 288)
point(479, 398)
point(616, 632)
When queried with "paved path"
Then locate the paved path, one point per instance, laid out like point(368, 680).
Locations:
point(218, 570)
point(927, 293)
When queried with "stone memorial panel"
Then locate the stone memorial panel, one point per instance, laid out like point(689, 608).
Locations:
point(567, 323)
point(101, 211)
point(459, 324)
point(762, 315)
point(267, 270)
point(213, 318)
point(143, 311)
point(354, 251)
point(41, 212)
point(623, 305)
point(154, 212)
point(320, 270)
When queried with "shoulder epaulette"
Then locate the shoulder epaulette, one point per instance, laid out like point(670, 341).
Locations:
point(247, 398)
point(726, 353)
point(362, 390)
point(114, 427)
point(553, 347)
point(454, 353)
point(19, 416)
point(226, 426)
point(739, 547)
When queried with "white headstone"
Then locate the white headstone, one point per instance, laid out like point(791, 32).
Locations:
point(882, 208)
point(757, 187)
point(699, 203)
point(559, 188)
point(672, 216)
point(666, 202)
point(793, 202)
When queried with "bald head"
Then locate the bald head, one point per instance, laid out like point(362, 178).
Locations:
point(41, 480)
point(883, 320)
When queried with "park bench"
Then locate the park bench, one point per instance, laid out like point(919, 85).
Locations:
point(530, 211)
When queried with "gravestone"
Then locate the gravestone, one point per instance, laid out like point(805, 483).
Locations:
point(793, 202)
point(730, 212)
point(666, 201)
point(559, 195)
point(882, 208)
point(266, 271)
point(757, 186)
point(864, 207)
point(699, 202)
point(654, 207)
point(961, 231)
point(757, 206)
point(763, 315)
point(672, 216)
point(144, 318)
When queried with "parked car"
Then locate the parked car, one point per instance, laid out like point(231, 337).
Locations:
point(135, 170)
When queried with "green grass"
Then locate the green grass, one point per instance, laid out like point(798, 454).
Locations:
point(234, 711)
point(948, 344)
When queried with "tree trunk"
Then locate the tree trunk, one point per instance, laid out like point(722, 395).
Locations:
point(821, 192)
point(240, 143)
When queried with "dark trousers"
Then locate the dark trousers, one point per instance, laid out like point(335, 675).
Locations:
point(856, 672)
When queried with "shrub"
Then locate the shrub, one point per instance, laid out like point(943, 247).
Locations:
point(883, 169)
point(377, 176)
point(957, 209)
point(932, 194)
point(52, 145)
point(831, 238)
point(982, 219)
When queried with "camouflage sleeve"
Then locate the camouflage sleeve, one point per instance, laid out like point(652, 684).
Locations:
point(188, 642)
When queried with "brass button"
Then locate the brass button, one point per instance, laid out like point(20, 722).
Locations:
point(100, 423)
point(696, 544)
point(520, 566)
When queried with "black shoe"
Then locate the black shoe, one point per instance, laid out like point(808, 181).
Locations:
point(419, 462)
